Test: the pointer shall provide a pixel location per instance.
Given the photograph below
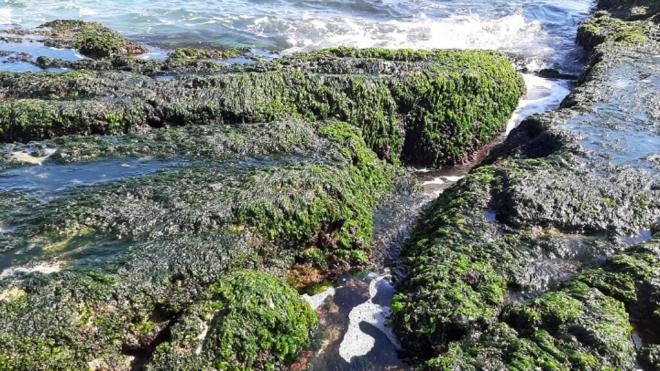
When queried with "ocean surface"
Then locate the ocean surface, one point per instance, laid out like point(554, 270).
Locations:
point(542, 31)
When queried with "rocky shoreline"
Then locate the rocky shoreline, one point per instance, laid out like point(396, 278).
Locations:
point(264, 178)
point(264, 173)
point(527, 262)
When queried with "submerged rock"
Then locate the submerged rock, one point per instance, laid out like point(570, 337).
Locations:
point(91, 39)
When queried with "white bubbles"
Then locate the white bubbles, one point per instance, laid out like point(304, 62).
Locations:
point(358, 343)
point(6, 16)
point(537, 31)
point(542, 95)
point(511, 32)
point(311, 31)
point(44, 268)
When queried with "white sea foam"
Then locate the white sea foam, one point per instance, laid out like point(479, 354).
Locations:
point(201, 337)
point(435, 181)
point(542, 95)
point(440, 180)
point(357, 343)
point(511, 33)
point(6, 16)
point(45, 268)
point(28, 158)
point(315, 301)
point(515, 26)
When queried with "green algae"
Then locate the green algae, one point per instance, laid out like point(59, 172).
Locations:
point(409, 110)
point(247, 320)
point(171, 239)
point(464, 271)
point(602, 28)
point(191, 53)
point(631, 9)
point(219, 142)
point(529, 288)
point(577, 327)
point(91, 39)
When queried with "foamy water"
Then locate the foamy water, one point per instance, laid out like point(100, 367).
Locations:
point(541, 95)
point(44, 268)
point(356, 342)
point(542, 31)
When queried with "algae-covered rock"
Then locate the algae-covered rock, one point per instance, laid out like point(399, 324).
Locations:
point(115, 269)
point(474, 254)
point(631, 9)
point(429, 108)
point(603, 27)
point(121, 273)
point(580, 326)
point(526, 262)
point(634, 279)
point(576, 328)
point(91, 39)
point(191, 53)
point(650, 356)
point(247, 320)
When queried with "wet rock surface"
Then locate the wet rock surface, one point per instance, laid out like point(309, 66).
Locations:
point(102, 275)
point(526, 263)
point(157, 214)
point(217, 189)
point(426, 108)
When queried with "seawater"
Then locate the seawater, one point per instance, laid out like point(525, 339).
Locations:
point(542, 31)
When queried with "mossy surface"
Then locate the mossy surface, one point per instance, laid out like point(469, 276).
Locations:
point(602, 27)
point(526, 263)
point(576, 328)
point(91, 39)
point(631, 9)
point(218, 142)
point(247, 320)
point(203, 54)
point(434, 109)
point(581, 326)
point(118, 268)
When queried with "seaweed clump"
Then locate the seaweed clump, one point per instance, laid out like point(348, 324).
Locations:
point(92, 39)
point(174, 239)
point(247, 320)
point(527, 262)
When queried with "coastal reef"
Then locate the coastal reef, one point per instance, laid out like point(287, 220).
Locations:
point(423, 107)
point(163, 221)
point(547, 255)
point(116, 270)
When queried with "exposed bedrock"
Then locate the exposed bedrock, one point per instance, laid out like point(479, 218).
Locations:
point(527, 262)
point(218, 189)
point(105, 275)
point(427, 108)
